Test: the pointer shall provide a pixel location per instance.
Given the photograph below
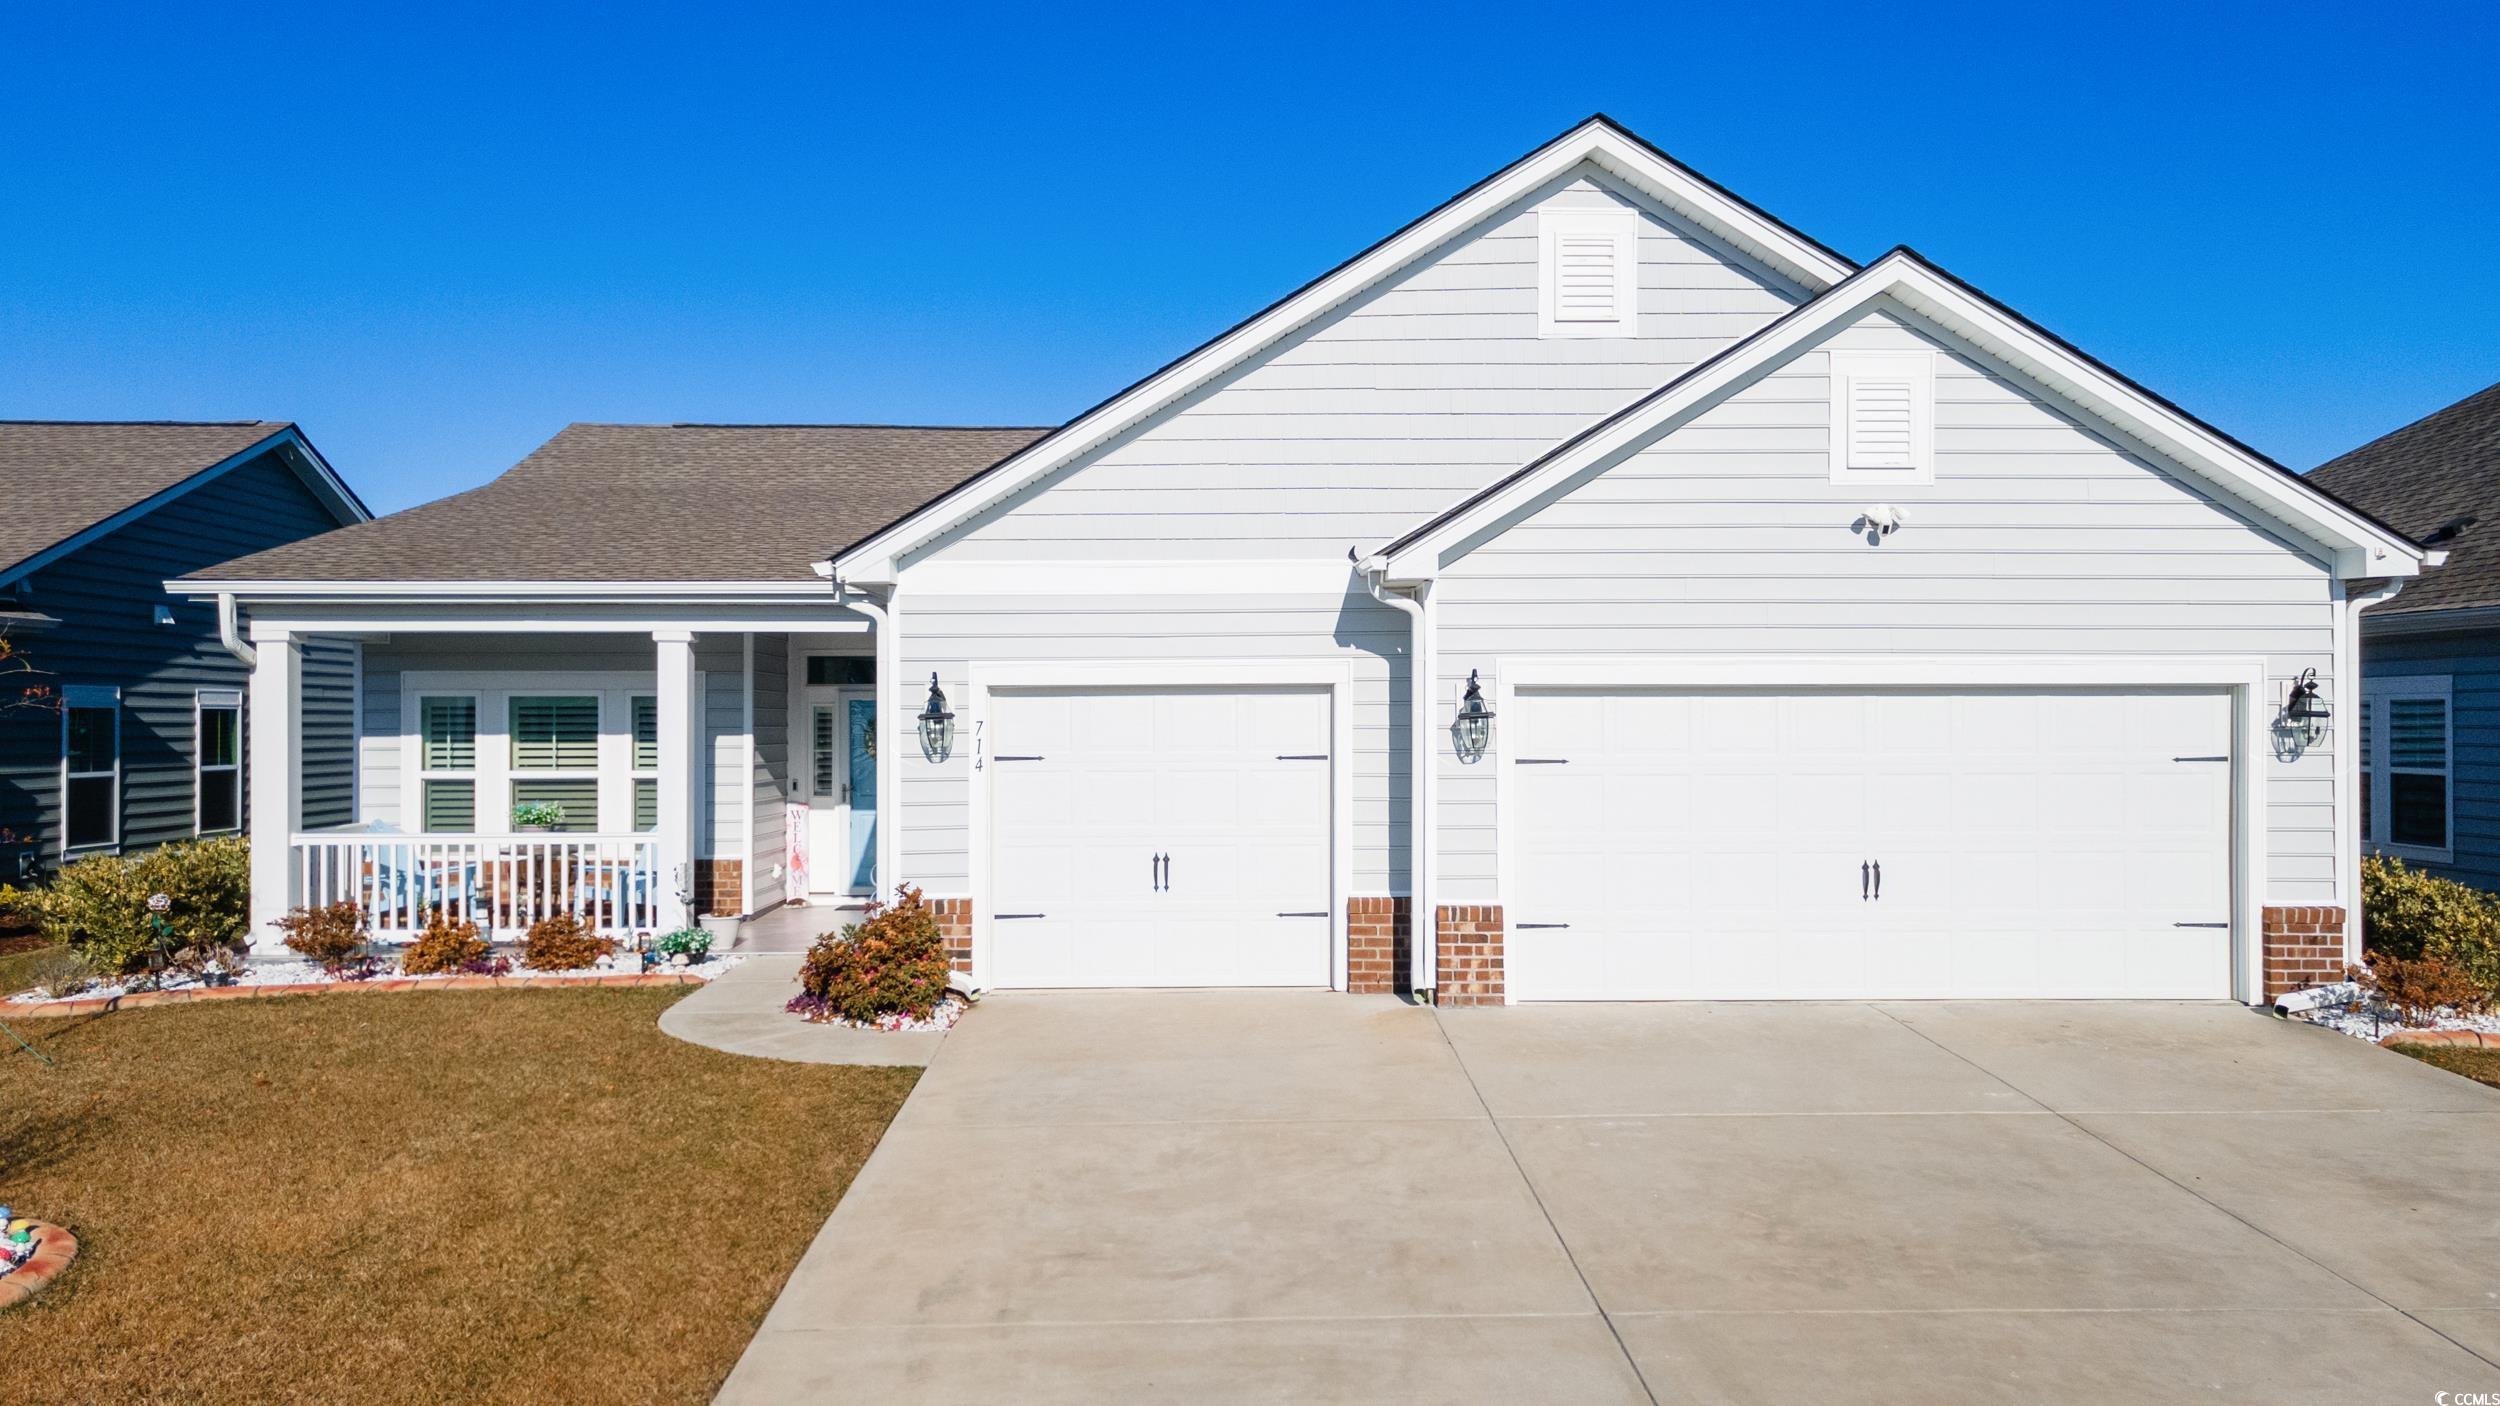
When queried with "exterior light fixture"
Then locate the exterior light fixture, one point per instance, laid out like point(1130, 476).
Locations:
point(2305, 714)
point(1473, 729)
point(937, 726)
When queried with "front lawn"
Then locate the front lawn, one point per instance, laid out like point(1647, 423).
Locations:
point(432, 1197)
point(19, 957)
point(2480, 1065)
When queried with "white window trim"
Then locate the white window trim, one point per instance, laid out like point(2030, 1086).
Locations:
point(1624, 227)
point(494, 691)
point(2375, 694)
point(90, 696)
point(222, 699)
point(1919, 369)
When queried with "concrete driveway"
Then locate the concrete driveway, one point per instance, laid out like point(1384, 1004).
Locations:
point(1272, 1196)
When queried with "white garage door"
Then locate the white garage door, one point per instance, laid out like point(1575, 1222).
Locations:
point(1159, 838)
point(1857, 845)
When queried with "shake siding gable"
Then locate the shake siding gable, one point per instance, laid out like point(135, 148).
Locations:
point(2038, 537)
point(1388, 409)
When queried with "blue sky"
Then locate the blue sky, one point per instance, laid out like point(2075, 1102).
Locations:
point(436, 238)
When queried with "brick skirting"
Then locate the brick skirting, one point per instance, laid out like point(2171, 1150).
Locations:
point(954, 920)
point(720, 887)
point(1376, 945)
point(2304, 948)
point(1470, 952)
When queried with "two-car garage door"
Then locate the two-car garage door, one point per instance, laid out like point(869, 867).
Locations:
point(1738, 845)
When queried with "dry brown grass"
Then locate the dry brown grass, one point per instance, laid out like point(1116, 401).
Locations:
point(2480, 1065)
point(18, 961)
point(433, 1197)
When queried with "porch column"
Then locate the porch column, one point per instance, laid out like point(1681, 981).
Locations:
point(677, 828)
point(275, 765)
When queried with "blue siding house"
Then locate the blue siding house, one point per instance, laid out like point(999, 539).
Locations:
point(2428, 720)
point(138, 737)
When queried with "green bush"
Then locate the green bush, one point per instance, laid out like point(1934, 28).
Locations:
point(2411, 915)
point(892, 962)
point(99, 905)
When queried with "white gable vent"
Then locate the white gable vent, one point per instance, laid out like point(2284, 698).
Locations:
point(1883, 417)
point(1588, 263)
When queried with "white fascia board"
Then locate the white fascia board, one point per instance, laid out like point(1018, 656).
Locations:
point(1215, 576)
point(1751, 232)
point(490, 592)
point(2359, 547)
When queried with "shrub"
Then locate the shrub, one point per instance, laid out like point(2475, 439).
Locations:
point(2420, 987)
point(891, 962)
point(59, 972)
point(446, 945)
point(563, 943)
point(2408, 914)
point(100, 905)
point(332, 934)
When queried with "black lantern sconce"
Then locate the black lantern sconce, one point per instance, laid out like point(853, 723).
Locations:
point(937, 726)
point(1473, 728)
point(2305, 714)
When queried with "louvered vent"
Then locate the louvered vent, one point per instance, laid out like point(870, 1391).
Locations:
point(1584, 278)
point(1881, 431)
point(1586, 272)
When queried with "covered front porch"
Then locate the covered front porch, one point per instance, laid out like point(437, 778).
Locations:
point(637, 767)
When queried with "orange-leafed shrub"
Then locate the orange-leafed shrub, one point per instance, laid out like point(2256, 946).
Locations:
point(446, 945)
point(891, 962)
point(332, 934)
point(2420, 987)
point(563, 943)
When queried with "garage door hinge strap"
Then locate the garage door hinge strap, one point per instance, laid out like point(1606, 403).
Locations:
point(1544, 761)
point(1015, 759)
point(1002, 917)
point(1524, 927)
point(2200, 759)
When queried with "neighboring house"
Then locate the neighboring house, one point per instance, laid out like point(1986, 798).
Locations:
point(1843, 634)
point(146, 742)
point(2430, 657)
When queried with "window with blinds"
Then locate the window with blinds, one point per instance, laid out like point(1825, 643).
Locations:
point(646, 763)
point(578, 795)
point(2407, 752)
point(450, 732)
point(450, 805)
point(555, 733)
point(1883, 417)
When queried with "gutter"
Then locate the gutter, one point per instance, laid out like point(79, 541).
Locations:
point(1423, 918)
point(230, 633)
point(889, 675)
point(2347, 666)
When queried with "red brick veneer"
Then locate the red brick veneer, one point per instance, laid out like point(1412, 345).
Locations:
point(1469, 945)
point(720, 887)
point(2304, 948)
point(1376, 945)
point(954, 919)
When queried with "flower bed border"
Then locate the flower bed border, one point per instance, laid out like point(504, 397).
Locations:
point(131, 1000)
point(54, 1249)
point(2442, 1037)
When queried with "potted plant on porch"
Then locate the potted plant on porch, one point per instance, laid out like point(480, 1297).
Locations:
point(537, 817)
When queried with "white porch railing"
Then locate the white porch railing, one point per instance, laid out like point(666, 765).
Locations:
point(502, 883)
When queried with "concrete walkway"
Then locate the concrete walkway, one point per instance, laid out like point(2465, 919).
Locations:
point(1264, 1196)
point(741, 1012)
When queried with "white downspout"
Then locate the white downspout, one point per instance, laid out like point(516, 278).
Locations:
point(2347, 702)
point(1423, 917)
point(889, 674)
point(230, 633)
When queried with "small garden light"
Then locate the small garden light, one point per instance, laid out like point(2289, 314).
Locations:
point(1474, 728)
point(2305, 714)
point(937, 726)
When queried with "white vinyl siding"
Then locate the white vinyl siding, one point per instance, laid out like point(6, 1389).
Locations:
point(2040, 537)
point(1383, 413)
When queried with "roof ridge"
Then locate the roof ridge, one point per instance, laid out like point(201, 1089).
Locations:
point(792, 425)
point(181, 424)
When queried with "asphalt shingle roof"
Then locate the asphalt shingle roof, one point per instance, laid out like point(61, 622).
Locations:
point(2431, 475)
point(654, 503)
point(58, 477)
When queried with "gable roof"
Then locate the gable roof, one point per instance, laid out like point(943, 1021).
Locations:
point(657, 503)
point(2362, 545)
point(1599, 140)
point(70, 481)
point(2438, 479)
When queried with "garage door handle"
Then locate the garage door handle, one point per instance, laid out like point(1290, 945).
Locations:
point(1879, 881)
point(1861, 881)
point(1526, 927)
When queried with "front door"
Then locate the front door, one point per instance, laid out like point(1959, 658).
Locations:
point(842, 777)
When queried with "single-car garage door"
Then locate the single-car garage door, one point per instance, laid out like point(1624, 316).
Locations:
point(1740, 845)
point(1159, 837)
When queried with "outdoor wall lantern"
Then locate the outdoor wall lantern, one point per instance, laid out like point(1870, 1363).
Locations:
point(1473, 729)
point(2305, 714)
point(937, 726)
